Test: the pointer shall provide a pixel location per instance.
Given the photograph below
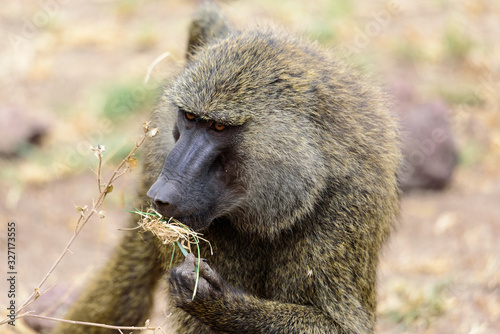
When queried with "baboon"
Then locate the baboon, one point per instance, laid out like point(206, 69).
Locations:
point(286, 160)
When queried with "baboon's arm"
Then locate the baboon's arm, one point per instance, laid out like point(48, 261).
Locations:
point(246, 314)
point(230, 310)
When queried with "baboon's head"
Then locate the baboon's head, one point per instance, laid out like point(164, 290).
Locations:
point(247, 136)
point(269, 130)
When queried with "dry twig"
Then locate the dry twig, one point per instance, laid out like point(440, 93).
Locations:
point(83, 323)
point(127, 164)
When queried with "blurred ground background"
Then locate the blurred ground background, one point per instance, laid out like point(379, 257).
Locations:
point(71, 76)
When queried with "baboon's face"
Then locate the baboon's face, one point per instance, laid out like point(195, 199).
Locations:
point(248, 146)
point(195, 184)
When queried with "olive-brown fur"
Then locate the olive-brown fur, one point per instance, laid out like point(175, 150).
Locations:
point(316, 159)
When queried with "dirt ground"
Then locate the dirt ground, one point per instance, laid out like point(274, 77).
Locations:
point(67, 67)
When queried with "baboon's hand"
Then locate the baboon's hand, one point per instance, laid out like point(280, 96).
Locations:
point(183, 278)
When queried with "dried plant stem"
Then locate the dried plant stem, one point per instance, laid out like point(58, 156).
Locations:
point(153, 65)
point(127, 328)
point(84, 218)
point(99, 172)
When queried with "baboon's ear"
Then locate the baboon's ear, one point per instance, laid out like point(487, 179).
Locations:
point(208, 23)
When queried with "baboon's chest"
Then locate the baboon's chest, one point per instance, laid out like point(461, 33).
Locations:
point(241, 263)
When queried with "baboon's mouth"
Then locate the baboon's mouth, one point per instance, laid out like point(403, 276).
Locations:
point(197, 222)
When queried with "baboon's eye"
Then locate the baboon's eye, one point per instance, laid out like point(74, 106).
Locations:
point(219, 126)
point(190, 116)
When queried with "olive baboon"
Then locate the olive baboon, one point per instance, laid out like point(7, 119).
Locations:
point(286, 160)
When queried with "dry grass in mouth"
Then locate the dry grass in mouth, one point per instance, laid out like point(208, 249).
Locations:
point(170, 231)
